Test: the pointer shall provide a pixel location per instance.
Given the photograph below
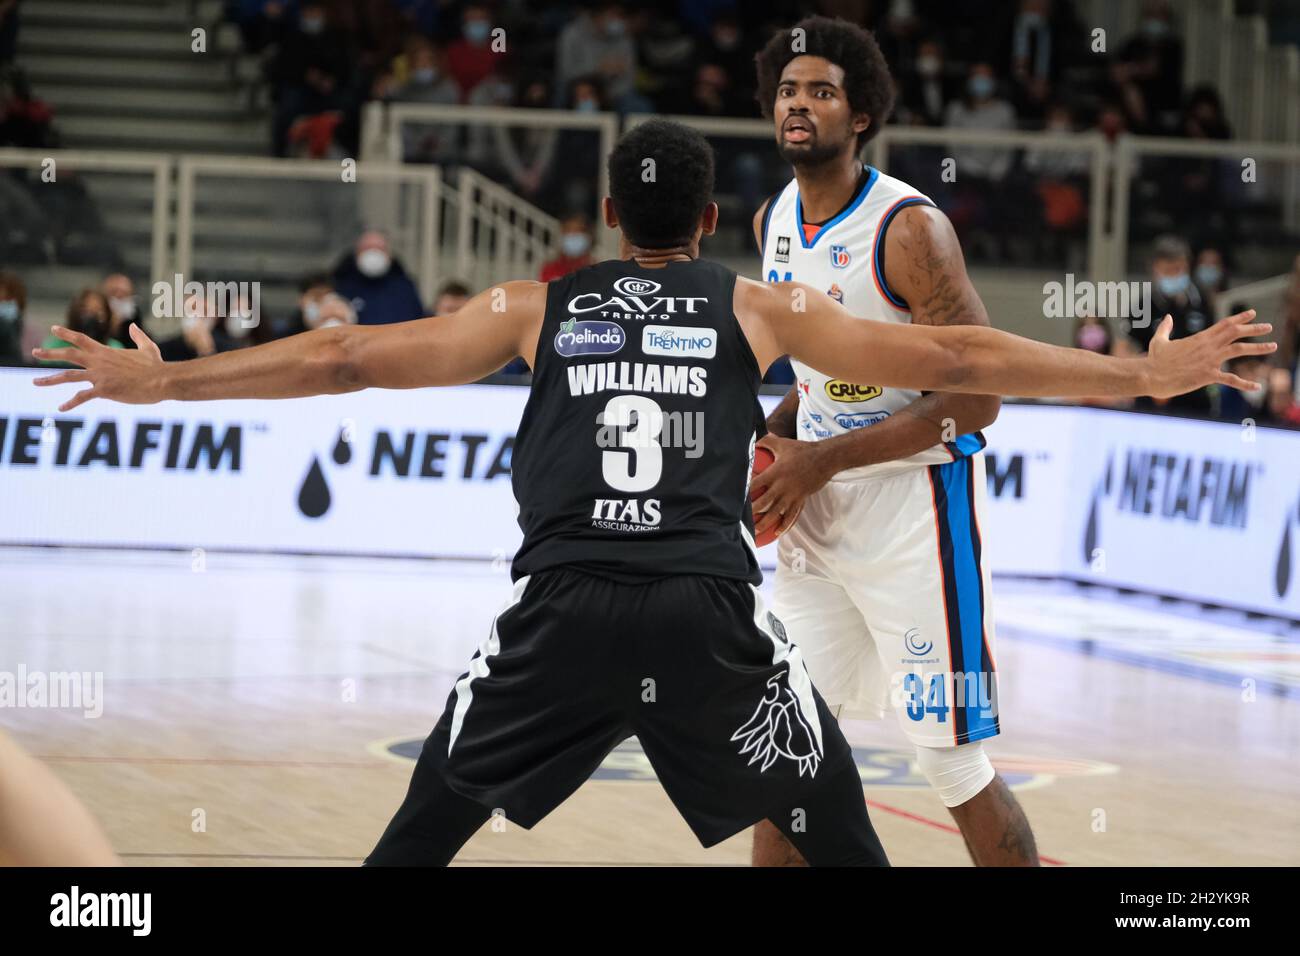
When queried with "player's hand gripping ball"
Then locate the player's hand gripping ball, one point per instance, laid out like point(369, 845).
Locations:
point(763, 458)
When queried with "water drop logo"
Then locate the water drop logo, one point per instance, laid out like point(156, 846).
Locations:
point(1092, 530)
point(1282, 571)
point(314, 493)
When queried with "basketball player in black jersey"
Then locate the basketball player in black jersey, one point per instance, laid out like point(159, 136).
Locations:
point(635, 608)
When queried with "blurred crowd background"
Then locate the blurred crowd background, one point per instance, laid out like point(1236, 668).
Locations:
point(995, 65)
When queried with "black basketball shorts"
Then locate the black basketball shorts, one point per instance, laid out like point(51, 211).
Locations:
point(695, 667)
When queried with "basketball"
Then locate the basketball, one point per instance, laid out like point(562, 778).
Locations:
point(763, 459)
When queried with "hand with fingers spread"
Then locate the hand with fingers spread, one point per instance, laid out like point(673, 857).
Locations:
point(132, 376)
point(800, 469)
point(1182, 365)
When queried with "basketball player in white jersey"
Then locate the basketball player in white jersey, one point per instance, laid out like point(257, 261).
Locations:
point(881, 581)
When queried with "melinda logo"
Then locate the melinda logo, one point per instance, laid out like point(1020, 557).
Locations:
point(591, 337)
point(667, 340)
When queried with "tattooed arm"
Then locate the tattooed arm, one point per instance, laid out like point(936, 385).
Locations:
point(924, 265)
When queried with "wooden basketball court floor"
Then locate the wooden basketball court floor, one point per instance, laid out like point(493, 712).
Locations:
point(258, 710)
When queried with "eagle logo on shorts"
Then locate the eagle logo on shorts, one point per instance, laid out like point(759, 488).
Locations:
point(778, 729)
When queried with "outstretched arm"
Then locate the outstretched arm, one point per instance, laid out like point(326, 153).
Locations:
point(793, 318)
point(488, 331)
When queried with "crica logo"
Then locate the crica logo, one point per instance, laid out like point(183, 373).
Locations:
point(108, 443)
point(588, 338)
point(408, 454)
point(1163, 486)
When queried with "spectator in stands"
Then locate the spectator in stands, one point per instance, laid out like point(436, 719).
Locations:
point(376, 283)
point(258, 20)
point(926, 89)
point(526, 153)
point(332, 310)
point(1282, 407)
point(311, 290)
point(311, 72)
point(13, 304)
point(980, 170)
point(25, 121)
point(471, 59)
point(981, 109)
point(1094, 334)
point(728, 47)
point(1210, 275)
point(1148, 72)
point(420, 76)
point(451, 297)
point(1237, 406)
point(124, 306)
point(196, 338)
point(1039, 39)
point(575, 248)
point(574, 186)
point(597, 42)
point(89, 314)
point(8, 31)
point(1175, 293)
point(1288, 353)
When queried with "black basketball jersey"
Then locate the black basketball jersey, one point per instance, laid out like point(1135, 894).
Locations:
point(633, 456)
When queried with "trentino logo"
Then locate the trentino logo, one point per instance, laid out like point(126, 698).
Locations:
point(590, 337)
point(668, 340)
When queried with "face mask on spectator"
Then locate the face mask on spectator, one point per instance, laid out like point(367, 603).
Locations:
point(9, 310)
point(331, 322)
point(981, 87)
point(424, 76)
point(585, 106)
point(373, 263)
point(928, 66)
point(476, 31)
point(310, 312)
point(726, 39)
point(1172, 285)
point(1092, 338)
point(615, 28)
point(312, 24)
point(1031, 19)
point(575, 244)
point(92, 323)
point(1209, 275)
point(123, 306)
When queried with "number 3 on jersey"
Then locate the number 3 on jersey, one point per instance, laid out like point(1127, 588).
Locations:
point(631, 425)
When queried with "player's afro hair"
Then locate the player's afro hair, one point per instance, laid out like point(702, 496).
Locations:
point(660, 179)
point(867, 82)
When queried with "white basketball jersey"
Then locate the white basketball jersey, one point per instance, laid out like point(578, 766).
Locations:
point(843, 258)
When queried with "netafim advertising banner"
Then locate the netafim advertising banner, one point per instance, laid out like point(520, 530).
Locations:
point(1206, 511)
point(1201, 510)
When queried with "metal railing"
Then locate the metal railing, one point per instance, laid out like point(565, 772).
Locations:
point(414, 229)
point(497, 233)
point(45, 163)
point(383, 126)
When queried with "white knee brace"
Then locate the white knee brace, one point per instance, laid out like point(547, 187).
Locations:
point(957, 773)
